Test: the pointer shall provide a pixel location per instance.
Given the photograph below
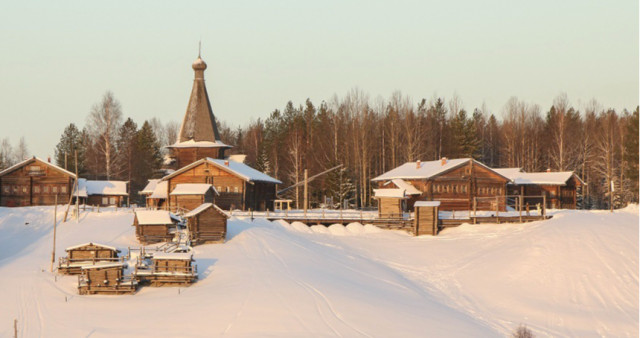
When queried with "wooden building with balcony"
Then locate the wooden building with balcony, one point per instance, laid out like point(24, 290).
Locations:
point(35, 182)
point(456, 183)
point(561, 189)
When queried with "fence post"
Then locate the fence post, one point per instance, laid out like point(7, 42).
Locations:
point(544, 205)
point(520, 207)
point(475, 206)
point(497, 207)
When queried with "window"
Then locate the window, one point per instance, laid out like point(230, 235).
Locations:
point(235, 189)
point(63, 189)
point(219, 188)
point(46, 189)
point(54, 189)
point(15, 189)
point(228, 189)
point(7, 189)
point(24, 189)
point(105, 200)
point(36, 189)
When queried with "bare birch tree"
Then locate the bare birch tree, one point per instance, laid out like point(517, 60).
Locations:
point(103, 124)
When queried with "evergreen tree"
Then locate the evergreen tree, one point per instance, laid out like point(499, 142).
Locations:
point(465, 142)
point(127, 149)
point(71, 141)
point(148, 157)
point(339, 185)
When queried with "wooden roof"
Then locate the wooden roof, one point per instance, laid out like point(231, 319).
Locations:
point(199, 124)
point(40, 161)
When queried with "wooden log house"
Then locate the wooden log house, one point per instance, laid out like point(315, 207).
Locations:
point(86, 254)
point(35, 182)
point(154, 226)
point(560, 188)
point(106, 279)
point(456, 183)
point(238, 185)
point(166, 269)
point(188, 196)
point(207, 224)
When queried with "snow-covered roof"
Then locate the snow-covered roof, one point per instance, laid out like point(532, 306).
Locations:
point(509, 173)
point(422, 170)
point(238, 169)
point(151, 217)
point(160, 191)
point(150, 187)
point(192, 189)
point(426, 204)
point(199, 144)
point(408, 187)
point(173, 255)
point(87, 188)
point(33, 159)
point(544, 178)
point(394, 193)
point(202, 208)
point(91, 243)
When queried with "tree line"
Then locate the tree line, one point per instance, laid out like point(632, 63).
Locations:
point(369, 137)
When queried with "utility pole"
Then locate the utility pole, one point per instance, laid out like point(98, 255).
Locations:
point(55, 221)
point(77, 189)
point(306, 192)
point(65, 161)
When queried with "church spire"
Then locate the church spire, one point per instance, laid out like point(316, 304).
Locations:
point(199, 124)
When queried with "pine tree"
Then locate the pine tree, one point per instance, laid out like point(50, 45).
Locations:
point(148, 157)
point(127, 149)
point(339, 185)
point(465, 142)
point(71, 141)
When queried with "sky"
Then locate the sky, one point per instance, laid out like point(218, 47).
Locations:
point(58, 58)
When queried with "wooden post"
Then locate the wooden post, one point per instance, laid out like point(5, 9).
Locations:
point(306, 192)
point(15, 328)
point(55, 221)
point(475, 206)
point(520, 207)
point(497, 207)
point(544, 204)
point(78, 189)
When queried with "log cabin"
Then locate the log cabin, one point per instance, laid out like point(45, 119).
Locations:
point(102, 193)
point(238, 185)
point(86, 254)
point(188, 196)
point(106, 279)
point(155, 193)
point(207, 224)
point(198, 137)
point(35, 182)
point(166, 269)
point(456, 183)
point(154, 226)
point(560, 188)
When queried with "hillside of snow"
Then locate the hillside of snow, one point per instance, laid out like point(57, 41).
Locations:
point(573, 275)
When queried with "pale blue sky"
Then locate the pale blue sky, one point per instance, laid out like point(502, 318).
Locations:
point(58, 58)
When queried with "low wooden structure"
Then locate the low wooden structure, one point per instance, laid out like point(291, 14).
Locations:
point(188, 196)
point(166, 269)
point(102, 193)
point(207, 224)
point(155, 193)
point(35, 182)
point(86, 254)
point(426, 218)
point(559, 188)
point(154, 226)
point(453, 182)
point(105, 279)
point(391, 202)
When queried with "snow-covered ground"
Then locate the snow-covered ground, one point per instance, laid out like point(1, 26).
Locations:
point(573, 275)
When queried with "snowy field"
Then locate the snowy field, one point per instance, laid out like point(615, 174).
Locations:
point(574, 275)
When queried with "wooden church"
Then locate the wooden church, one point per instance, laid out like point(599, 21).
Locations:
point(198, 157)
